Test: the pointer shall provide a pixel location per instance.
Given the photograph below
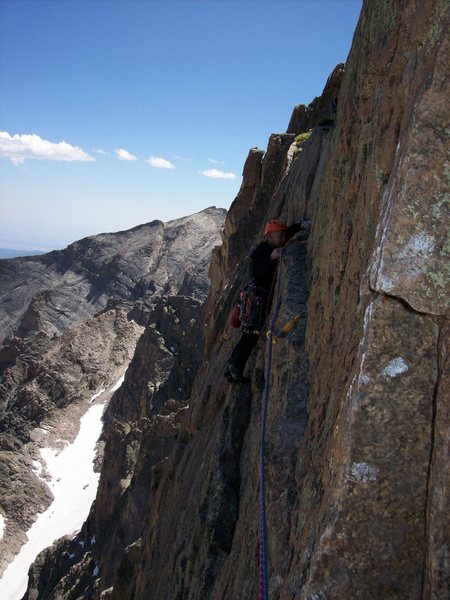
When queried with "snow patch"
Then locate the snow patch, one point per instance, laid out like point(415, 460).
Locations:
point(95, 571)
point(37, 468)
point(395, 367)
point(118, 384)
point(95, 396)
point(2, 525)
point(361, 471)
point(74, 486)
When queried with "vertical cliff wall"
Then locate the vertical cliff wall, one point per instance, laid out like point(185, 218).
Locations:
point(357, 433)
point(371, 512)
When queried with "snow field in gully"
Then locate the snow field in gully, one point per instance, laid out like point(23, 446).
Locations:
point(74, 486)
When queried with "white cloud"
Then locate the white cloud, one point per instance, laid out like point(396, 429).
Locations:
point(161, 163)
point(20, 147)
point(178, 157)
point(124, 154)
point(216, 162)
point(99, 151)
point(216, 174)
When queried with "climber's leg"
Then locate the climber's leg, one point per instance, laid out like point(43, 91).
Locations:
point(241, 352)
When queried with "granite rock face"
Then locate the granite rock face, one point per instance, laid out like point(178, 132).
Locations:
point(321, 109)
point(357, 433)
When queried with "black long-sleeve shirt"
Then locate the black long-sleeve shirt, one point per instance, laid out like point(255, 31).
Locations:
point(262, 266)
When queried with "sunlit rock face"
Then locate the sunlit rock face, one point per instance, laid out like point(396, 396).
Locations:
point(71, 321)
point(51, 292)
point(357, 433)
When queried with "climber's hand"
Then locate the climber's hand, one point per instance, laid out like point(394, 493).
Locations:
point(276, 253)
point(305, 225)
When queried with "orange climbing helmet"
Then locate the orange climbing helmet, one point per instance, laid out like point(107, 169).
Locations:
point(275, 226)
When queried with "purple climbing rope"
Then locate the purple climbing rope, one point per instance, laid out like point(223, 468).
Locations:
point(263, 587)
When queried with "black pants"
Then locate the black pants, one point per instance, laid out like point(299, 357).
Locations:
point(242, 350)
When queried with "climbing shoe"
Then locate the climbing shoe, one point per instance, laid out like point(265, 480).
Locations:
point(234, 376)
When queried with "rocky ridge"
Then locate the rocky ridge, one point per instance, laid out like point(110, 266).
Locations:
point(51, 365)
point(53, 291)
point(357, 433)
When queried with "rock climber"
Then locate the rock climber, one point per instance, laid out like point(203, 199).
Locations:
point(256, 297)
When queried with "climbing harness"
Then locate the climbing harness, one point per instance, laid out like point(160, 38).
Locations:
point(249, 312)
point(263, 587)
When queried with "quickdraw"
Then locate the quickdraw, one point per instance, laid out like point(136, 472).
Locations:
point(287, 328)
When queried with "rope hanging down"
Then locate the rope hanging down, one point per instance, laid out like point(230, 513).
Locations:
point(263, 588)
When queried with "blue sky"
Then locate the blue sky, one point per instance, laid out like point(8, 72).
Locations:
point(158, 104)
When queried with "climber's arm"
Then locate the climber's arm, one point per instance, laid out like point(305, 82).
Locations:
point(303, 226)
point(296, 227)
point(261, 261)
point(292, 230)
